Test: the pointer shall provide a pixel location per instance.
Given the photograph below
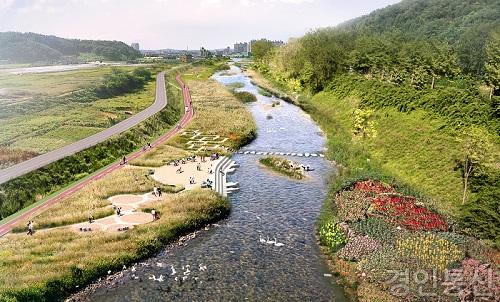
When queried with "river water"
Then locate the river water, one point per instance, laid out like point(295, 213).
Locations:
point(238, 265)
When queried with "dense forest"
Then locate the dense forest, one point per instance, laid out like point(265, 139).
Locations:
point(18, 47)
point(441, 57)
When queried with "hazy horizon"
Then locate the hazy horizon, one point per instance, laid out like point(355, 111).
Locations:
point(158, 24)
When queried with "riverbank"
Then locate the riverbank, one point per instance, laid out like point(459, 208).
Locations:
point(394, 155)
point(57, 261)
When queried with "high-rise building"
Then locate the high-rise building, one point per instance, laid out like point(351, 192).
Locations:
point(135, 46)
point(241, 48)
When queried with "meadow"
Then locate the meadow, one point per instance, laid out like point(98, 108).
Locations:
point(42, 112)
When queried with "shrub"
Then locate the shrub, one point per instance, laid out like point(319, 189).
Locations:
point(358, 247)
point(352, 205)
point(332, 236)
point(430, 250)
point(373, 187)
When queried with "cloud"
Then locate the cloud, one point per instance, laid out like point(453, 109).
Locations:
point(6, 4)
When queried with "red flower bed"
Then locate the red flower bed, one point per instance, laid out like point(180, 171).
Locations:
point(373, 187)
point(404, 211)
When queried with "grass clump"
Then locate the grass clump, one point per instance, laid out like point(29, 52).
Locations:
point(245, 96)
point(283, 166)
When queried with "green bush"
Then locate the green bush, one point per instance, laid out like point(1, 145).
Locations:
point(332, 236)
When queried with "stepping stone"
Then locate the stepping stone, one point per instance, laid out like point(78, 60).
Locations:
point(314, 155)
point(246, 152)
point(289, 154)
point(252, 152)
point(282, 153)
point(300, 155)
point(307, 155)
point(293, 154)
point(259, 153)
point(321, 155)
point(264, 153)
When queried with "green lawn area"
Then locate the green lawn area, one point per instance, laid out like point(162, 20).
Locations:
point(410, 146)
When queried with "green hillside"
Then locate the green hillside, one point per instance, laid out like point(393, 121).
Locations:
point(405, 65)
point(32, 48)
point(465, 25)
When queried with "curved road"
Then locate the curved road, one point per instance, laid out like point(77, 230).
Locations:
point(188, 114)
point(52, 156)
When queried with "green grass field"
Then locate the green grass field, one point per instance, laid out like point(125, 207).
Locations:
point(37, 123)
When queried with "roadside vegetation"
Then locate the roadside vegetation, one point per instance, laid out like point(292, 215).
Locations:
point(411, 114)
point(39, 123)
point(283, 166)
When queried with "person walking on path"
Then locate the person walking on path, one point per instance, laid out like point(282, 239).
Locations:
point(31, 228)
point(198, 167)
point(159, 191)
point(91, 217)
point(153, 213)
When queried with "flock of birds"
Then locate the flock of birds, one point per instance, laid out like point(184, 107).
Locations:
point(184, 276)
point(275, 242)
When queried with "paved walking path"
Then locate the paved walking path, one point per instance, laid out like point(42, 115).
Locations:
point(52, 156)
point(188, 114)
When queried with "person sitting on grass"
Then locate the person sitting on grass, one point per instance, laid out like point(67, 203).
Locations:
point(178, 171)
point(183, 161)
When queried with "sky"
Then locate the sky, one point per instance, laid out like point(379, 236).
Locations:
point(179, 24)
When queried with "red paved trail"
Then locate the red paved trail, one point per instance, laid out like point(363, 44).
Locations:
point(188, 114)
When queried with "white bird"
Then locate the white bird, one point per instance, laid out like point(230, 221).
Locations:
point(159, 264)
point(203, 268)
point(184, 278)
point(187, 272)
point(173, 270)
point(160, 279)
point(262, 240)
point(269, 241)
point(176, 279)
point(133, 269)
point(276, 243)
point(124, 267)
point(109, 272)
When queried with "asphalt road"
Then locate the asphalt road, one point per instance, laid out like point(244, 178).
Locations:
point(52, 156)
point(188, 114)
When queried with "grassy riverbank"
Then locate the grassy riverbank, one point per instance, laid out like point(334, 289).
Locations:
point(53, 263)
point(414, 154)
point(283, 166)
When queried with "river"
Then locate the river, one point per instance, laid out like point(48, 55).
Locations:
point(229, 262)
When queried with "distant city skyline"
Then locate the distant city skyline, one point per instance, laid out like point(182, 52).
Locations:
point(179, 24)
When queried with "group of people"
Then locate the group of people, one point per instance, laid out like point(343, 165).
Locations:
point(157, 192)
point(191, 180)
point(31, 228)
point(207, 184)
point(148, 146)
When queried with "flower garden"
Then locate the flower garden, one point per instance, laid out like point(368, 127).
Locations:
point(387, 246)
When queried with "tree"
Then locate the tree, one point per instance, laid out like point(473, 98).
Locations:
point(261, 48)
point(475, 155)
point(492, 65)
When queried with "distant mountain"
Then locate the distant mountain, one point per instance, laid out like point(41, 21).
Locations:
point(464, 24)
point(18, 47)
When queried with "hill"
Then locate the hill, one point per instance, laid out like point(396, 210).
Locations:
point(406, 95)
point(466, 25)
point(18, 47)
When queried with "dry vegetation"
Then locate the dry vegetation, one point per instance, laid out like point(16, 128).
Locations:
point(218, 112)
point(29, 265)
point(94, 198)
